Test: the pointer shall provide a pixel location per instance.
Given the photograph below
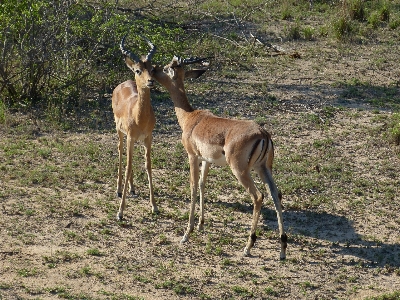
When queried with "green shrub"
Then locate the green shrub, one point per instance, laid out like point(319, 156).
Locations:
point(68, 50)
point(384, 13)
point(3, 112)
point(309, 33)
point(355, 9)
point(286, 12)
point(294, 32)
point(374, 19)
point(394, 24)
point(342, 26)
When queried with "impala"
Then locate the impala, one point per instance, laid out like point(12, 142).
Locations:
point(134, 117)
point(241, 144)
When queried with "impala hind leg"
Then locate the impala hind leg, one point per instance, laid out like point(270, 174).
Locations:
point(194, 181)
point(205, 166)
point(128, 173)
point(248, 183)
point(147, 151)
point(266, 176)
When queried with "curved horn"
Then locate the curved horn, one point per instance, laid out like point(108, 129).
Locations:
point(127, 52)
point(152, 49)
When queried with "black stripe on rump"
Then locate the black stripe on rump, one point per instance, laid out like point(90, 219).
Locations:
point(265, 152)
point(253, 150)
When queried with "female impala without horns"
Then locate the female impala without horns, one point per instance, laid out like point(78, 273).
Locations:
point(241, 144)
point(134, 117)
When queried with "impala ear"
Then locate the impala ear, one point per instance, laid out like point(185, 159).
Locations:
point(194, 73)
point(129, 63)
point(170, 72)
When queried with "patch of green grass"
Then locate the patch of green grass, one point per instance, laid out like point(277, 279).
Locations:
point(242, 291)
point(326, 143)
point(209, 272)
point(271, 292)
point(56, 290)
point(309, 33)
point(71, 235)
point(163, 239)
point(227, 262)
point(27, 272)
point(94, 252)
point(306, 285)
point(27, 238)
point(64, 293)
point(178, 287)
point(393, 128)
point(389, 296)
point(86, 271)
point(142, 278)
point(5, 286)
point(61, 257)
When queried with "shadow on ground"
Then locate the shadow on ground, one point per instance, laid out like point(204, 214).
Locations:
point(326, 230)
point(339, 232)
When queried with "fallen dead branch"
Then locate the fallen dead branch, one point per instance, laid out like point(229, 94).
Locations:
point(275, 48)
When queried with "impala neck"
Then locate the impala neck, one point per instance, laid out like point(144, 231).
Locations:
point(181, 102)
point(144, 95)
point(143, 102)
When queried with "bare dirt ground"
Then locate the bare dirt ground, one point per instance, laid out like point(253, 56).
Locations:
point(328, 113)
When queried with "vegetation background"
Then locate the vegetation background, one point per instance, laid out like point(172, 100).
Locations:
point(322, 76)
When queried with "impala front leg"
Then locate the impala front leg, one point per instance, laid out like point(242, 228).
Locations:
point(205, 166)
point(147, 146)
point(194, 180)
point(129, 152)
point(120, 150)
point(131, 187)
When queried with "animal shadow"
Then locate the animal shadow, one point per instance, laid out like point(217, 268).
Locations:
point(339, 232)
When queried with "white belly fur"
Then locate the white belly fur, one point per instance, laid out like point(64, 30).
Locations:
point(220, 161)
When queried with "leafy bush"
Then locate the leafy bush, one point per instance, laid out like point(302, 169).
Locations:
point(56, 53)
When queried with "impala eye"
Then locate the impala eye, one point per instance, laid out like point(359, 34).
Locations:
point(138, 72)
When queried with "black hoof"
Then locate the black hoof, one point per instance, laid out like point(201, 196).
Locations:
point(133, 194)
point(119, 195)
